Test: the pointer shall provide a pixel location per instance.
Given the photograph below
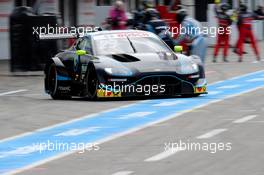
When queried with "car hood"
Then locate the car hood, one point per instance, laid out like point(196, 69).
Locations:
point(147, 62)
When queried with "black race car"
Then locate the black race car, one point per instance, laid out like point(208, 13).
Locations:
point(122, 63)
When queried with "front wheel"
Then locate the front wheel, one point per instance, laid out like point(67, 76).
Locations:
point(92, 83)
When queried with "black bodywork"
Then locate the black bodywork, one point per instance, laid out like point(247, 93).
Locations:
point(70, 74)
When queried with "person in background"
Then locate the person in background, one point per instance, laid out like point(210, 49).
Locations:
point(146, 4)
point(175, 5)
point(245, 20)
point(192, 37)
point(259, 11)
point(141, 16)
point(147, 7)
point(158, 26)
point(217, 7)
point(224, 21)
point(117, 16)
point(235, 15)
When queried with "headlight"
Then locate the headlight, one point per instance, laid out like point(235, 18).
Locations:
point(195, 67)
point(118, 71)
point(187, 68)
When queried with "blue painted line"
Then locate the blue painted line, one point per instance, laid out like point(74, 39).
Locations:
point(20, 152)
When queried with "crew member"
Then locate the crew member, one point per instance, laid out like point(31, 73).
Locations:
point(158, 26)
point(245, 20)
point(259, 11)
point(140, 15)
point(224, 22)
point(235, 15)
point(146, 4)
point(190, 32)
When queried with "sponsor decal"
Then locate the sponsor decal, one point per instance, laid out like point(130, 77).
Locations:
point(105, 93)
point(199, 90)
point(124, 35)
point(62, 88)
point(133, 34)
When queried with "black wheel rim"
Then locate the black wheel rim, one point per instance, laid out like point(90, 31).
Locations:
point(92, 84)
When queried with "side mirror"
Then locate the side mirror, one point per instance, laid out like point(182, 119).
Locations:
point(178, 49)
point(217, 1)
point(81, 52)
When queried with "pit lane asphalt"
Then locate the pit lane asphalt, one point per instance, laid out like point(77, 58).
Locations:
point(30, 110)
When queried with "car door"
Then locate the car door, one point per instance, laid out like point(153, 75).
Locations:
point(83, 60)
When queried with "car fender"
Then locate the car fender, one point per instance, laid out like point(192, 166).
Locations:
point(199, 62)
point(60, 67)
point(63, 77)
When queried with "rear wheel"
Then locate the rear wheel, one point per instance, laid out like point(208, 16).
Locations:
point(53, 84)
point(92, 83)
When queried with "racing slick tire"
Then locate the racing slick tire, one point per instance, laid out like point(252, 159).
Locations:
point(92, 83)
point(53, 84)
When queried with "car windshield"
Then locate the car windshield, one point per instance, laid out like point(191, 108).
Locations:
point(128, 45)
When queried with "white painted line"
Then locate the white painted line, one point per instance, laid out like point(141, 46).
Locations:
point(256, 80)
point(211, 133)
point(136, 115)
point(229, 86)
point(116, 136)
point(22, 151)
point(123, 173)
point(169, 103)
point(13, 92)
point(75, 132)
point(67, 122)
point(164, 154)
point(241, 76)
point(245, 119)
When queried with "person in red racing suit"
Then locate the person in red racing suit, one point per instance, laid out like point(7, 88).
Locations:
point(245, 20)
point(224, 22)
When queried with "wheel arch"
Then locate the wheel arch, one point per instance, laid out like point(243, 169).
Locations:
point(61, 70)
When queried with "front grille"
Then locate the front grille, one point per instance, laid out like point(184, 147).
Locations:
point(171, 84)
